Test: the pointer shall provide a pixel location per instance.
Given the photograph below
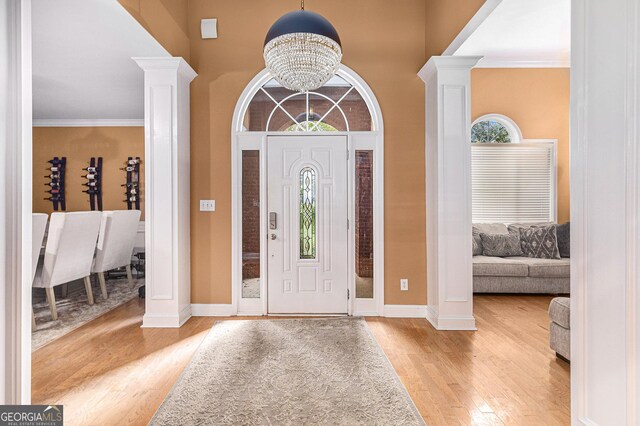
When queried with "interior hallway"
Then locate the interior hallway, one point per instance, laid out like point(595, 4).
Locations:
point(111, 371)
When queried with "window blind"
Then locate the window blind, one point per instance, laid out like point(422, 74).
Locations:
point(513, 182)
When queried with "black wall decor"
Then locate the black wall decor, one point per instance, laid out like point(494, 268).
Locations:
point(56, 183)
point(94, 182)
point(132, 167)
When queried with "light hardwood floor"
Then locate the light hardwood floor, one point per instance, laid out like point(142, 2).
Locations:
point(112, 372)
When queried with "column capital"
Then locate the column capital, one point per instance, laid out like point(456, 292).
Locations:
point(167, 63)
point(439, 63)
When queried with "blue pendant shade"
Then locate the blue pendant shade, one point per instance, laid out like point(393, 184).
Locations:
point(302, 50)
point(302, 21)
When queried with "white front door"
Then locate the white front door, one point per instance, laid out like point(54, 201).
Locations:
point(308, 236)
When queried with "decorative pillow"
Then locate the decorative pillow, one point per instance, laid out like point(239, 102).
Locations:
point(501, 245)
point(540, 242)
point(516, 227)
point(477, 245)
point(564, 239)
point(489, 228)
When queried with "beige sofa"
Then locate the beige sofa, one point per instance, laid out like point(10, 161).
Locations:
point(520, 275)
point(517, 274)
point(560, 327)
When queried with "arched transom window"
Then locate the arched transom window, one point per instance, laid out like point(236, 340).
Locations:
point(495, 128)
point(335, 107)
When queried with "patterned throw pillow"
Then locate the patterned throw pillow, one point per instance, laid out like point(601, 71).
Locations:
point(477, 245)
point(501, 245)
point(540, 242)
point(489, 228)
point(516, 227)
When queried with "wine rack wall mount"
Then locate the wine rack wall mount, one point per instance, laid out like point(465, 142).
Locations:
point(57, 170)
point(94, 182)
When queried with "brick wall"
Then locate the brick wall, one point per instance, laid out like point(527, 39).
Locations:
point(364, 213)
point(250, 214)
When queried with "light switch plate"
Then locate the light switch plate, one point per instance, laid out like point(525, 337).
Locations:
point(404, 284)
point(209, 28)
point(207, 205)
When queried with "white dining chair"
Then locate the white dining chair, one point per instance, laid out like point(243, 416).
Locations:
point(118, 232)
point(38, 228)
point(71, 244)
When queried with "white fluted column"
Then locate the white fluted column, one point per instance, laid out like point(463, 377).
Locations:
point(605, 212)
point(448, 187)
point(15, 201)
point(166, 192)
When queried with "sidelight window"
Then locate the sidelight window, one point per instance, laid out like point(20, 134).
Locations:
point(251, 224)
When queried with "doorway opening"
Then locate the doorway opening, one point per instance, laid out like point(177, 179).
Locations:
point(307, 189)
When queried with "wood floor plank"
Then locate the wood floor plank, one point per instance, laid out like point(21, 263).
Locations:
point(112, 372)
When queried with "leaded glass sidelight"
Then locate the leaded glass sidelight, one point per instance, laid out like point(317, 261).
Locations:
point(307, 213)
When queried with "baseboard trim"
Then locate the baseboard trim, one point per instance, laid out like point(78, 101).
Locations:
point(441, 322)
point(226, 310)
point(432, 316)
point(81, 122)
point(366, 314)
point(250, 314)
point(185, 314)
point(405, 311)
point(212, 310)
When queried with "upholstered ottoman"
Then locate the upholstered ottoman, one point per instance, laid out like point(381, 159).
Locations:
point(560, 328)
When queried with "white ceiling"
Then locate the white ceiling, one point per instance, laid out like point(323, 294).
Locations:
point(522, 33)
point(82, 66)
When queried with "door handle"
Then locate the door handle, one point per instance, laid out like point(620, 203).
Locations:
point(273, 222)
point(273, 236)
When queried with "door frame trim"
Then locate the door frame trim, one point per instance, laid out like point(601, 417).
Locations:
point(373, 140)
point(355, 141)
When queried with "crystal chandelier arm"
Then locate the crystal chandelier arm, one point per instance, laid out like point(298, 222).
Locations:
point(278, 105)
point(335, 104)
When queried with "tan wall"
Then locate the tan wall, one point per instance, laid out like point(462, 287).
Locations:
point(79, 144)
point(386, 42)
point(538, 101)
point(166, 20)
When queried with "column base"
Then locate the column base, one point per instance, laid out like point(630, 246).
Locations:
point(166, 320)
point(443, 322)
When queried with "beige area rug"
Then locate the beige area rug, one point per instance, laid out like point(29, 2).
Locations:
point(289, 372)
point(74, 311)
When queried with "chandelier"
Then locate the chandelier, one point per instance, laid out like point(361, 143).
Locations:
point(302, 50)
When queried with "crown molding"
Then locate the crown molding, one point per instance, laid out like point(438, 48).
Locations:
point(81, 122)
point(488, 62)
